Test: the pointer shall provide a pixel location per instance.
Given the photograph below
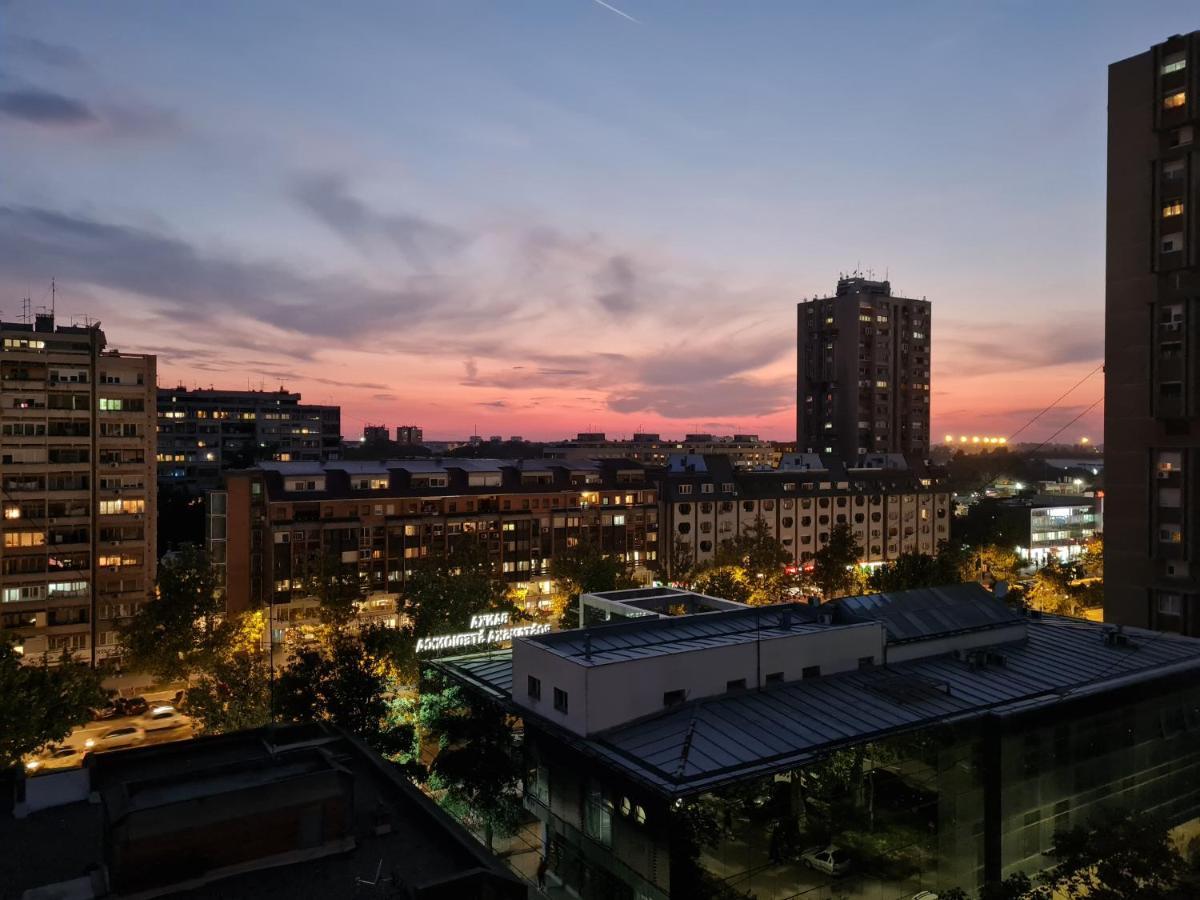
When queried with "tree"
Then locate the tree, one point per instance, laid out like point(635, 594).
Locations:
point(726, 582)
point(1052, 590)
point(446, 589)
point(180, 630)
point(1091, 561)
point(337, 586)
point(346, 684)
point(834, 565)
point(478, 763)
point(1115, 856)
point(40, 703)
point(919, 570)
point(585, 569)
point(232, 691)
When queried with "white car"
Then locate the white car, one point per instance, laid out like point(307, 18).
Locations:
point(924, 895)
point(161, 718)
point(116, 738)
point(831, 860)
point(55, 758)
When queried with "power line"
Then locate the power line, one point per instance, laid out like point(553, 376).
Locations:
point(1056, 402)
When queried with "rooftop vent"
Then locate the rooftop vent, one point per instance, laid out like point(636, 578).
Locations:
point(1115, 636)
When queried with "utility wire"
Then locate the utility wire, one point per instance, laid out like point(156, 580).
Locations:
point(1057, 401)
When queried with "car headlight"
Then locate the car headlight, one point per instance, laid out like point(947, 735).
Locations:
point(32, 765)
point(89, 743)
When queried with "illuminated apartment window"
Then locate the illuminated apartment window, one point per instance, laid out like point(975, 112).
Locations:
point(1174, 208)
point(1176, 62)
point(1170, 534)
point(1174, 100)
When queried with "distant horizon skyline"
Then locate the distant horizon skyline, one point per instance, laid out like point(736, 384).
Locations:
point(528, 218)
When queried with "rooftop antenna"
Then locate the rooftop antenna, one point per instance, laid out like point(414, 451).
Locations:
point(53, 296)
point(26, 306)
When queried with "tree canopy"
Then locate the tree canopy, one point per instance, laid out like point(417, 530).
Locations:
point(835, 565)
point(41, 702)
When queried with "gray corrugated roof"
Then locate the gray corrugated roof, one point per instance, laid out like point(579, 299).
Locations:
point(640, 638)
point(928, 612)
point(700, 745)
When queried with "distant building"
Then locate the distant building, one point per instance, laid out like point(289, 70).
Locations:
point(745, 450)
point(409, 435)
point(1152, 339)
point(890, 508)
point(976, 733)
point(273, 524)
point(277, 812)
point(202, 433)
point(862, 372)
point(375, 434)
point(1053, 525)
point(77, 488)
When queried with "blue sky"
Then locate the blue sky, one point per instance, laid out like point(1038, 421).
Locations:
point(540, 217)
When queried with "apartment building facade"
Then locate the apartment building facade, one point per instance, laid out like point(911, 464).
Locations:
point(1152, 339)
point(77, 472)
point(201, 433)
point(891, 510)
point(862, 372)
point(745, 450)
point(273, 524)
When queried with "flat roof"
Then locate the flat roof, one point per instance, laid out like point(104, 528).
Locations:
point(930, 612)
point(646, 637)
point(727, 738)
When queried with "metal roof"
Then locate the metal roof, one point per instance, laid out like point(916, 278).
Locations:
point(929, 612)
point(646, 637)
point(718, 740)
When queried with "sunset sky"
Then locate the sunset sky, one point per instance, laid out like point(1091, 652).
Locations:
point(539, 218)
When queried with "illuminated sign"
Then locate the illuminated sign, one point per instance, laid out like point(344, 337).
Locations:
point(486, 628)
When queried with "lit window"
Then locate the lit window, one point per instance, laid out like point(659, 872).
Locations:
point(1176, 62)
point(1174, 208)
point(1174, 100)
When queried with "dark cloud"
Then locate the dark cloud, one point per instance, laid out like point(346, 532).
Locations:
point(732, 397)
point(617, 285)
point(31, 48)
point(420, 241)
point(189, 285)
point(983, 348)
point(45, 108)
point(688, 363)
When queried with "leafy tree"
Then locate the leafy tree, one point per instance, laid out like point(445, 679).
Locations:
point(344, 683)
point(726, 582)
point(1115, 856)
point(835, 564)
point(1017, 886)
point(1052, 590)
point(585, 569)
point(337, 586)
point(446, 589)
point(993, 563)
point(919, 570)
point(478, 764)
point(1091, 561)
point(180, 630)
point(41, 702)
point(232, 691)
point(988, 522)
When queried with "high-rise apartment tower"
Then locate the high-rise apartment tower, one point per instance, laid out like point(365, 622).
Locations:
point(1152, 339)
point(862, 372)
point(77, 487)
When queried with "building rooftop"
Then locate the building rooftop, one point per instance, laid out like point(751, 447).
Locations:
point(702, 744)
point(169, 803)
point(929, 612)
point(646, 637)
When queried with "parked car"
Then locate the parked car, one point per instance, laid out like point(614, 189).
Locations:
point(161, 718)
point(55, 758)
point(133, 706)
point(116, 738)
point(107, 711)
point(831, 860)
point(924, 895)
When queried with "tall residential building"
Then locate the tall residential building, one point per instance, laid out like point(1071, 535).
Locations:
point(203, 433)
point(409, 435)
point(78, 488)
point(1152, 339)
point(862, 372)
